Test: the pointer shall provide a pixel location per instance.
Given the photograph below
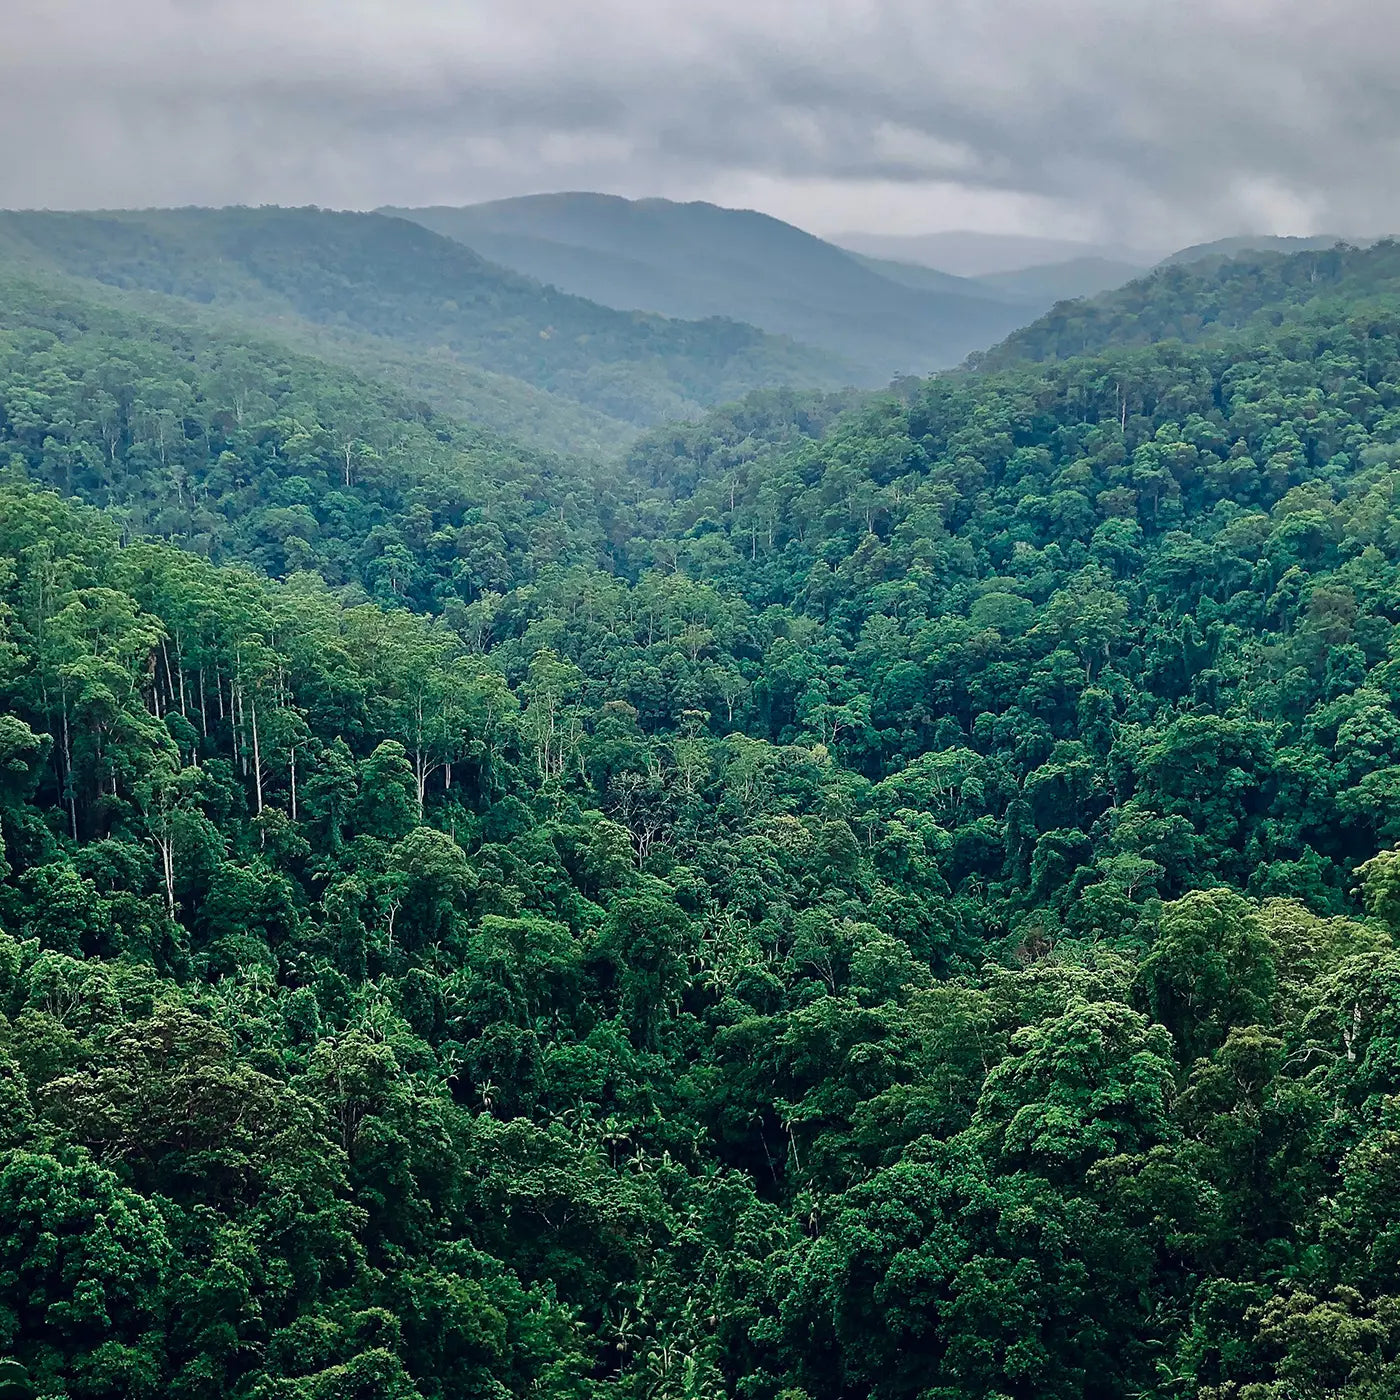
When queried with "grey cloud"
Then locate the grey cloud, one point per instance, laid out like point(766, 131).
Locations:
point(1159, 122)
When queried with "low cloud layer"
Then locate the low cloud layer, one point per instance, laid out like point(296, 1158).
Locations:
point(1147, 122)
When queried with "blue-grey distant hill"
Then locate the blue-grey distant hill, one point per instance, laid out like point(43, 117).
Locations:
point(697, 260)
point(969, 253)
point(1039, 272)
point(1047, 283)
point(930, 279)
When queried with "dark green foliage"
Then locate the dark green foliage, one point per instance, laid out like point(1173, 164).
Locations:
point(871, 899)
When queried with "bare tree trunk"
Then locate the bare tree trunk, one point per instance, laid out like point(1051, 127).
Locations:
point(236, 715)
point(165, 845)
point(169, 675)
point(68, 771)
point(180, 671)
point(257, 757)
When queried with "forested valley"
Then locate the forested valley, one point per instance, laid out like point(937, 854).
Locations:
point(858, 896)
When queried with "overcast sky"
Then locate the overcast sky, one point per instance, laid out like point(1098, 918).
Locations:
point(1157, 122)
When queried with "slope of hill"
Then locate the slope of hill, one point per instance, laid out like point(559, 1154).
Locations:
point(1195, 301)
point(971, 254)
point(879, 896)
point(930, 279)
point(499, 403)
point(1046, 283)
point(1252, 243)
point(395, 280)
point(696, 260)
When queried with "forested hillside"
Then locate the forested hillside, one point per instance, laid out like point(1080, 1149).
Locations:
point(225, 446)
point(867, 898)
point(1210, 296)
point(392, 280)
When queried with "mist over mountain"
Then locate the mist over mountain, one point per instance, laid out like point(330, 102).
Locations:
point(1047, 283)
point(929, 279)
point(697, 260)
point(970, 254)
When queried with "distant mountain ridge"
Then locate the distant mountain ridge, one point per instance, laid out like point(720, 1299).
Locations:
point(656, 311)
point(696, 260)
point(1256, 243)
point(1043, 271)
point(1047, 283)
point(930, 279)
point(966, 253)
